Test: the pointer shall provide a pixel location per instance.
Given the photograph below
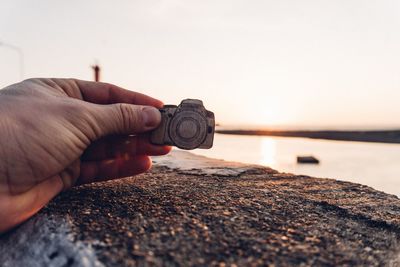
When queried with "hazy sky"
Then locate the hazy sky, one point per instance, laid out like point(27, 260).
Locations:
point(321, 63)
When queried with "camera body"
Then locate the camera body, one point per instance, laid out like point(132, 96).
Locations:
point(187, 126)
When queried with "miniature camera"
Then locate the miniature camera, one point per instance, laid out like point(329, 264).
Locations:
point(187, 126)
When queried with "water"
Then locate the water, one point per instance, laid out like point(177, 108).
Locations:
point(373, 164)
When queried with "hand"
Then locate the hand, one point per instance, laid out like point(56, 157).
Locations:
point(57, 133)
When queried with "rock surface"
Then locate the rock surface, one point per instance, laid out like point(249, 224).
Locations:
point(189, 210)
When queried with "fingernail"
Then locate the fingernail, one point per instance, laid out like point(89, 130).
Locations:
point(151, 117)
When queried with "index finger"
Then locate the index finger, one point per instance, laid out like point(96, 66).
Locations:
point(105, 93)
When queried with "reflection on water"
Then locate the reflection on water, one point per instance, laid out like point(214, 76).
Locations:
point(373, 164)
point(268, 151)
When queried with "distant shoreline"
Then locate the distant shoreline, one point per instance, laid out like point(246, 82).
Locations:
point(378, 136)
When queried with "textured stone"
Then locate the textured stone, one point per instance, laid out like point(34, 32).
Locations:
point(45, 240)
point(194, 211)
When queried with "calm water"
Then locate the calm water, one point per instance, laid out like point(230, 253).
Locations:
point(373, 164)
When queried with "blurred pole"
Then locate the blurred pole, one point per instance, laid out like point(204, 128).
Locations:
point(96, 69)
point(20, 54)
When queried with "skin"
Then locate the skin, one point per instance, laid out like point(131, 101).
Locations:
point(58, 133)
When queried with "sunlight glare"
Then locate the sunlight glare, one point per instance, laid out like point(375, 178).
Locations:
point(268, 151)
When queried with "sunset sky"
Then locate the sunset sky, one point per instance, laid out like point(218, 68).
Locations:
point(320, 64)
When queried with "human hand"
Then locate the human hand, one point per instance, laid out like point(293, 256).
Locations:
point(57, 133)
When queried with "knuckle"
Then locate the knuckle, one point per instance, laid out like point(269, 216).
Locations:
point(29, 80)
point(129, 116)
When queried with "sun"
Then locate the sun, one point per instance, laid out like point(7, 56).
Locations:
point(271, 115)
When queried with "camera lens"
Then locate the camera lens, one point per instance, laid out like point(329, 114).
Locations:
point(188, 129)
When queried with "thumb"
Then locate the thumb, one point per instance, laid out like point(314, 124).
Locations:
point(125, 119)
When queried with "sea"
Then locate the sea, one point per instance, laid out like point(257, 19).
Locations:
point(374, 164)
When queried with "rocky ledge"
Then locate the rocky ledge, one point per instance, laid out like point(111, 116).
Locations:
point(189, 210)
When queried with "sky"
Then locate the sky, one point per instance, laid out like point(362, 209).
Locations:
point(289, 63)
